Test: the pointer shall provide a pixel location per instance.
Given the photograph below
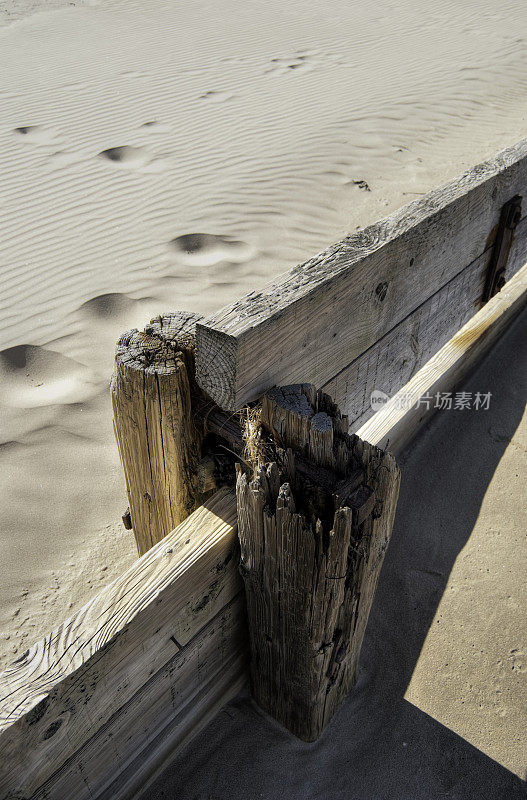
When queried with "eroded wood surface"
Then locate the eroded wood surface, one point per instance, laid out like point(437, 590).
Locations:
point(310, 562)
point(159, 442)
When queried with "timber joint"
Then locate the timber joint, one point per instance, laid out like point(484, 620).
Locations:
point(510, 216)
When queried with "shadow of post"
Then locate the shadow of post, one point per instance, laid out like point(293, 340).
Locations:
point(378, 744)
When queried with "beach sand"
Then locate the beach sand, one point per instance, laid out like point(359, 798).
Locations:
point(263, 131)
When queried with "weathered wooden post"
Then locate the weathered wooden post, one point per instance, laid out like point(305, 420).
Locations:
point(158, 436)
point(310, 555)
point(315, 509)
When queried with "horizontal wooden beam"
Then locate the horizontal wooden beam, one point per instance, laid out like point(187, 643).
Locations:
point(81, 703)
point(399, 354)
point(397, 422)
point(170, 709)
point(319, 317)
point(213, 684)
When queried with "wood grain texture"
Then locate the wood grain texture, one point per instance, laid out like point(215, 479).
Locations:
point(161, 717)
point(213, 694)
point(322, 315)
point(310, 563)
point(393, 360)
point(159, 442)
point(400, 353)
point(66, 688)
point(397, 423)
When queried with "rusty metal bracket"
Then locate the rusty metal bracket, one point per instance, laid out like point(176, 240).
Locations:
point(511, 214)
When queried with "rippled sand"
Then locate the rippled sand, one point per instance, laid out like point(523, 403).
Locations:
point(157, 156)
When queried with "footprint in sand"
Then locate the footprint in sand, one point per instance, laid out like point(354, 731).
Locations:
point(207, 249)
point(216, 96)
point(132, 157)
point(36, 134)
point(296, 64)
point(102, 319)
point(156, 127)
point(126, 155)
point(32, 376)
point(109, 306)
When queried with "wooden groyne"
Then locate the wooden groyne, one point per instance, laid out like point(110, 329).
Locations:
point(370, 311)
point(234, 434)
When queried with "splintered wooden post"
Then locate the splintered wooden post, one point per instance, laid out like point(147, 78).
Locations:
point(311, 557)
point(159, 440)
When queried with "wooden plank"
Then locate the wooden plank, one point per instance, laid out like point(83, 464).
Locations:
point(323, 314)
point(396, 423)
point(56, 696)
point(393, 360)
point(168, 710)
point(231, 679)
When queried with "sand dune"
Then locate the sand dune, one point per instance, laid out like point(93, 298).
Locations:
point(159, 155)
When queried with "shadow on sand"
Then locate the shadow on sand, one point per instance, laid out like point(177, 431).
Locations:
point(379, 745)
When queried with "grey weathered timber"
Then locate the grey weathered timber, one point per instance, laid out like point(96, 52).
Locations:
point(399, 354)
point(81, 704)
point(219, 666)
point(168, 711)
point(310, 561)
point(316, 319)
point(159, 441)
point(398, 422)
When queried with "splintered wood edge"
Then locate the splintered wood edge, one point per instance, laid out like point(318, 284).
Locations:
point(156, 348)
point(295, 559)
point(393, 425)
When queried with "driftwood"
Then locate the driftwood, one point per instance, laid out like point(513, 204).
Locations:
point(310, 561)
point(158, 437)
